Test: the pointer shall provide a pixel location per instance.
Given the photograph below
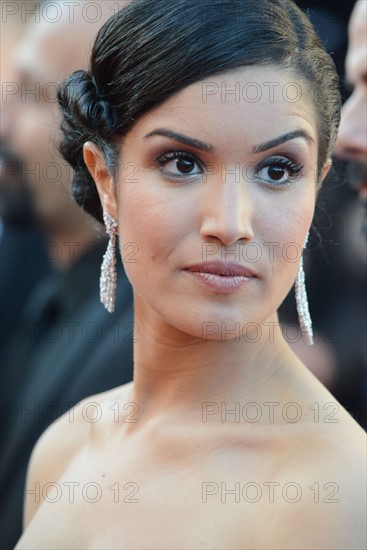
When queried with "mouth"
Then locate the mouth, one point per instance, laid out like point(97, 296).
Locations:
point(223, 269)
point(222, 277)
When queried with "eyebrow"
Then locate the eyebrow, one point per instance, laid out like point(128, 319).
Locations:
point(165, 132)
point(282, 139)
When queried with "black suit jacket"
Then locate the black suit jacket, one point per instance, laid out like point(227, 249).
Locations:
point(23, 262)
point(66, 347)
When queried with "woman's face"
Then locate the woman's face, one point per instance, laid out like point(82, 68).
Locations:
point(238, 198)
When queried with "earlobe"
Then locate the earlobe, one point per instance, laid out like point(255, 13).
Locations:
point(96, 164)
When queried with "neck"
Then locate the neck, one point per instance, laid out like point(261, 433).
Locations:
point(178, 372)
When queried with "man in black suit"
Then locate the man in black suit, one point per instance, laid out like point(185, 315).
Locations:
point(351, 146)
point(352, 137)
point(64, 346)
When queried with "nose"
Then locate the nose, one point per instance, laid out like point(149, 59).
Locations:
point(227, 210)
point(352, 137)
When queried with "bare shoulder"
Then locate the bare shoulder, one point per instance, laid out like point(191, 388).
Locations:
point(324, 502)
point(61, 441)
point(331, 443)
point(319, 472)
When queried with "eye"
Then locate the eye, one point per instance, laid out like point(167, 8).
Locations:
point(180, 164)
point(279, 171)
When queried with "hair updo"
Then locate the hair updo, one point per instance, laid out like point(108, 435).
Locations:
point(149, 51)
point(87, 116)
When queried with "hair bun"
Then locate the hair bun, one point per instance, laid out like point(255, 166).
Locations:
point(84, 106)
point(87, 116)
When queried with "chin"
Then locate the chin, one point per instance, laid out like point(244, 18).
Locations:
point(215, 325)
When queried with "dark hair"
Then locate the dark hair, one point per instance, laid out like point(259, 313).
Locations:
point(151, 50)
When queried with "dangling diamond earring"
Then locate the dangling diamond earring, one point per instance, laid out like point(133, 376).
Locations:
point(302, 303)
point(107, 281)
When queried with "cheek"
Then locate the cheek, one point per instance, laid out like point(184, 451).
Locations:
point(154, 225)
point(287, 234)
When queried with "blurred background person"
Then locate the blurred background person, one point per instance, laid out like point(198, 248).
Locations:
point(335, 261)
point(352, 138)
point(351, 145)
point(18, 224)
point(63, 345)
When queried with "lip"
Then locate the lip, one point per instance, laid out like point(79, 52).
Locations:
point(223, 277)
point(225, 269)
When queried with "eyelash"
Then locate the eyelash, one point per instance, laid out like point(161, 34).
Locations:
point(294, 169)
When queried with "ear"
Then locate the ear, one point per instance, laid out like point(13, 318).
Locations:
point(96, 164)
point(324, 173)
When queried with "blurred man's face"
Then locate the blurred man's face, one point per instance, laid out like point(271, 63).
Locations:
point(352, 139)
point(30, 118)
